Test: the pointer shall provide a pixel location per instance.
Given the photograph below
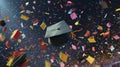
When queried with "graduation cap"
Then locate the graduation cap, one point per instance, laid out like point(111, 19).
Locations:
point(2, 23)
point(57, 33)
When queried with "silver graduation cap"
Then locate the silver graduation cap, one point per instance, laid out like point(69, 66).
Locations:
point(57, 33)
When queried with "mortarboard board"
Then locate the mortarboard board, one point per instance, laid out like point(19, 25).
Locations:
point(57, 33)
point(2, 23)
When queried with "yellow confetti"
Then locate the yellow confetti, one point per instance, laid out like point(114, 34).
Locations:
point(91, 39)
point(47, 13)
point(2, 37)
point(97, 65)
point(7, 17)
point(24, 17)
point(63, 56)
point(31, 27)
point(47, 64)
point(9, 63)
point(43, 25)
point(100, 28)
point(77, 23)
point(19, 40)
point(118, 9)
point(90, 59)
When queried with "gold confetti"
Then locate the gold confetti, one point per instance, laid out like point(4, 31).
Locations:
point(118, 9)
point(2, 37)
point(91, 39)
point(43, 25)
point(19, 40)
point(24, 17)
point(47, 64)
point(90, 59)
point(63, 56)
point(31, 27)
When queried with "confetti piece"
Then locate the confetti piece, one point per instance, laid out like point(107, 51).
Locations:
point(77, 23)
point(103, 4)
point(19, 40)
point(100, 28)
point(7, 44)
point(91, 39)
point(52, 59)
point(106, 15)
point(70, 11)
point(41, 41)
point(75, 65)
point(43, 47)
point(83, 48)
point(90, 59)
point(16, 53)
point(21, 49)
point(43, 25)
point(116, 37)
point(47, 64)
point(27, 3)
point(23, 36)
point(74, 47)
point(97, 65)
point(35, 22)
point(15, 34)
point(2, 37)
point(73, 16)
point(22, 25)
point(87, 33)
point(108, 25)
point(112, 48)
point(31, 27)
point(24, 17)
point(63, 56)
point(106, 34)
point(93, 49)
point(62, 64)
point(5, 29)
point(9, 63)
point(48, 1)
point(34, 2)
point(118, 9)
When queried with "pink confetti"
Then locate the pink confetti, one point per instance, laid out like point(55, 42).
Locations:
point(116, 37)
point(74, 47)
point(49, 2)
point(108, 25)
point(69, 3)
point(70, 26)
point(75, 65)
point(62, 64)
point(52, 61)
point(73, 16)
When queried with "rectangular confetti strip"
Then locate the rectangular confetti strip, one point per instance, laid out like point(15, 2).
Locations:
point(24, 17)
point(47, 64)
point(15, 34)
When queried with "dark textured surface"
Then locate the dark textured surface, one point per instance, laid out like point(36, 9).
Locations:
point(89, 15)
